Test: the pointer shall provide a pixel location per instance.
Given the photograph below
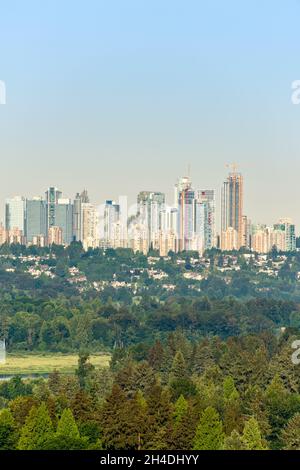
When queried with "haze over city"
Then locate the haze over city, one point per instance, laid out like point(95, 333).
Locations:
point(124, 96)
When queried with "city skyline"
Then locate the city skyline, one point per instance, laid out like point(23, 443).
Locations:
point(169, 196)
point(188, 224)
point(135, 93)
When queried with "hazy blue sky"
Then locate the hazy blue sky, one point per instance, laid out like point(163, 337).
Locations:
point(119, 96)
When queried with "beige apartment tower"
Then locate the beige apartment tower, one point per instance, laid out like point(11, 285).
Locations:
point(232, 207)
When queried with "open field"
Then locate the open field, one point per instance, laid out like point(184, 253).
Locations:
point(26, 364)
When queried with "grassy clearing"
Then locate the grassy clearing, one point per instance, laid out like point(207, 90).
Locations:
point(45, 363)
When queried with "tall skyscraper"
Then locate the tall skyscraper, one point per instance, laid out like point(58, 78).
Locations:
point(183, 183)
point(185, 204)
point(150, 208)
point(77, 218)
point(207, 198)
point(15, 213)
point(52, 197)
point(246, 232)
point(169, 219)
point(85, 197)
point(79, 201)
point(232, 207)
point(90, 220)
point(199, 214)
point(36, 219)
point(110, 218)
point(64, 219)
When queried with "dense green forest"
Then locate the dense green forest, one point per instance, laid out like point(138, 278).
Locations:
point(239, 393)
point(201, 349)
point(65, 325)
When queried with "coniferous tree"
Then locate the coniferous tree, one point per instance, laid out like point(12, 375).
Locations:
point(112, 419)
point(158, 440)
point(179, 381)
point(232, 416)
point(282, 366)
point(141, 400)
point(67, 425)
point(84, 369)
point(36, 430)
point(202, 358)
point(229, 390)
point(180, 433)
point(251, 438)
point(281, 405)
point(136, 422)
point(156, 356)
point(124, 421)
point(134, 377)
point(234, 442)
point(67, 436)
point(180, 408)
point(20, 408)
point(178, 369)
point(209, 433)
point(82, 406)
point(291, 434)
point(159, 405)
point(232, 406)
point(8, 431)
point(160, 414)
point(254, 405)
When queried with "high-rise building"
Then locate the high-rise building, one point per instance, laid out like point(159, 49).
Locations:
point(36, 219)
point(287, 226)
point(150, 208)
point(110, 218)
point(232, 206)
point(207, 198)
point(169, 219)
point(168, 241)
point(183, 183)
point(79, 201)
point(138, 238)
point(185, 204)
point(15, 213)
point(199, 215)
point(52, 197)
point(77, 218)
point(64, 219)
point(246, 232)
point(90, 221)
point(265, 238)
point(85, 197)
point(260, 239)
point(280, 235)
